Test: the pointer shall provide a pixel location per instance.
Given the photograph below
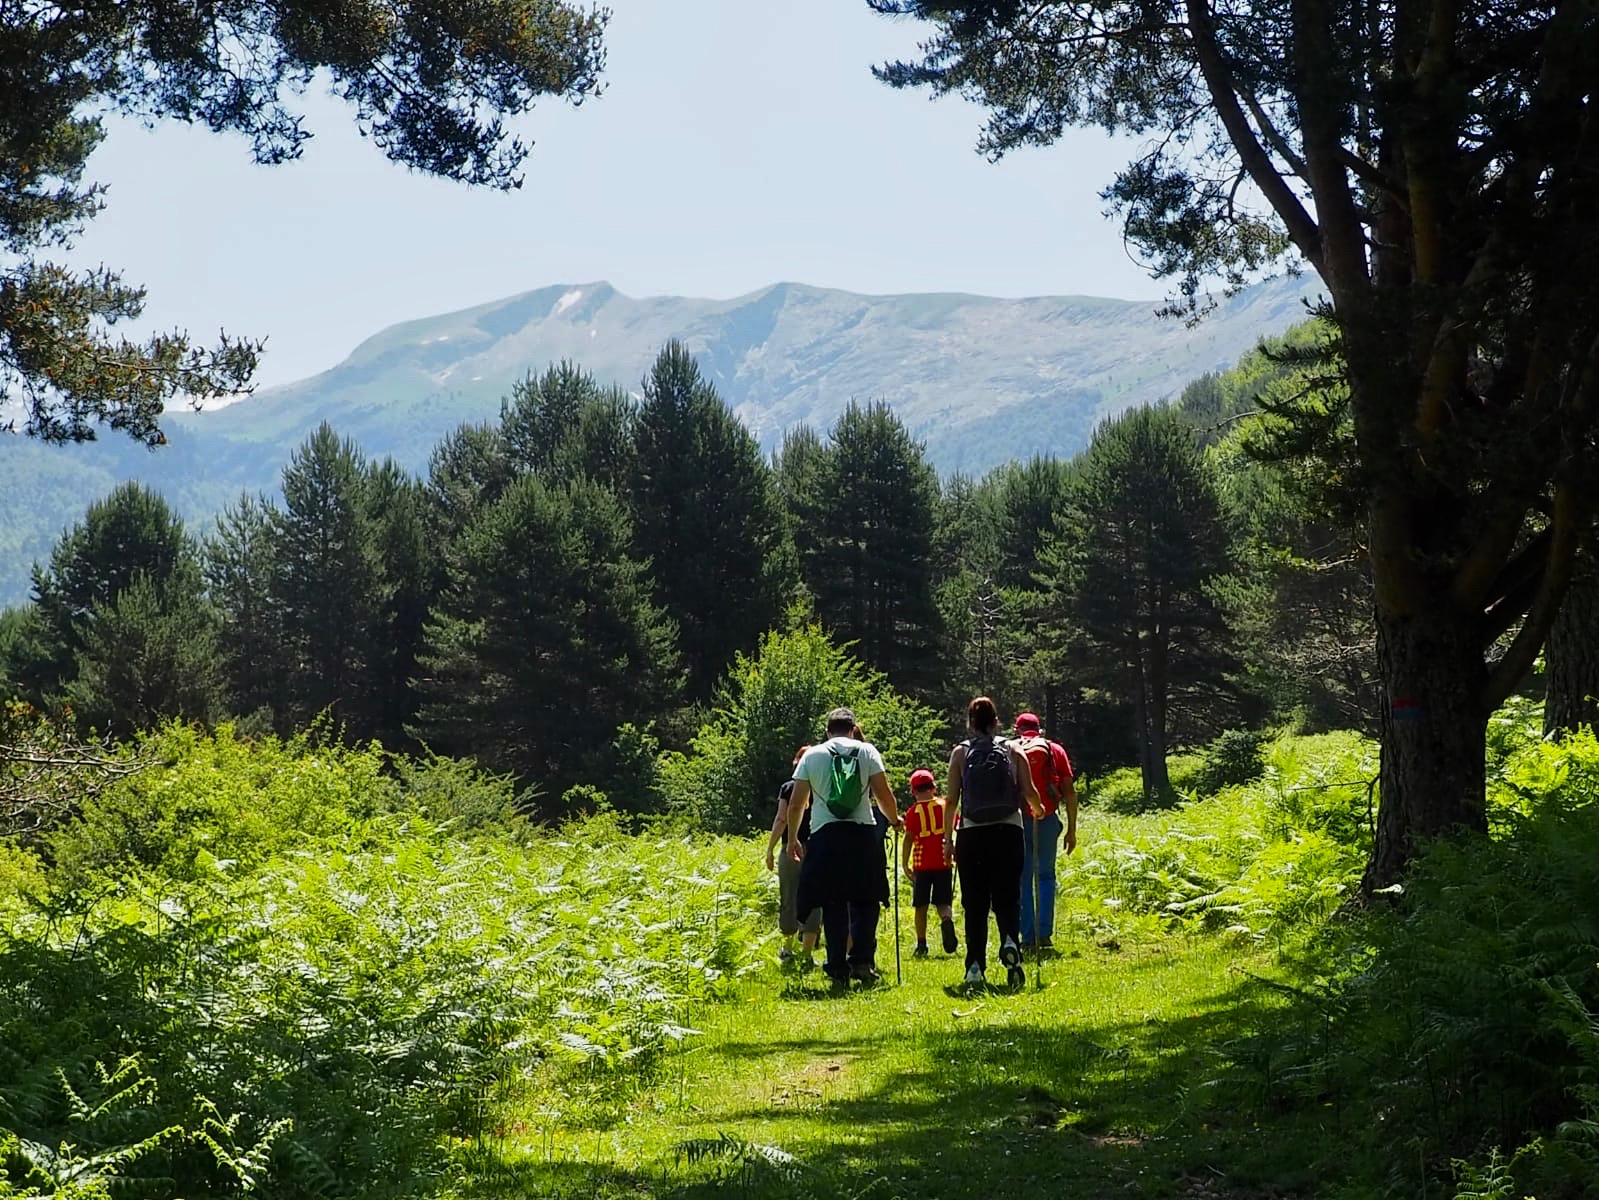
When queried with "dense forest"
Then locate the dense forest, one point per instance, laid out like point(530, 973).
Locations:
point(583, 584)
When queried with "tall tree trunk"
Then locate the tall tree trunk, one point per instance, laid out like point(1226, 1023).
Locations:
point(1571, 698)
point(1434, 732)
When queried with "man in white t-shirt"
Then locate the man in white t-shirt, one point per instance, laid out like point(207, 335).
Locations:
point(842, 868)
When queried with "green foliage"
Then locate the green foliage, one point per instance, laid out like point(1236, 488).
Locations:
point(775, 702)
point(119, 596)
point(219, 803)
point(865, 525)
point(1235, 757)
point(705, 510)
point(325, 581)
point(279, 988)
point(1271, 858)
point(546, 639)
point(1131, 599)
point(432, 90)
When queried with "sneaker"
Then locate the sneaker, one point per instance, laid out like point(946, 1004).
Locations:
point(1016, 977)
point(864, 972)
point(1046, 943)
point(838, 977)
point(785, 956)
point(947, 928)
point(920, 951)
point(974, 976)
point(1010, 953)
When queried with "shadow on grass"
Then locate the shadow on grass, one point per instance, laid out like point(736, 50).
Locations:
point(1157, 1108)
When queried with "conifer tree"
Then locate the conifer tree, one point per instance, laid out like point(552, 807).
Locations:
point(468, 471)
point(1144, 542)
point(326, 584)
point(406, 582)
point(148, 655)
point(706, 511)
point(131, 532)
point(240, 566)
point(1434, 164)
point(871, 568)
point(562, 425)
point(545, 639)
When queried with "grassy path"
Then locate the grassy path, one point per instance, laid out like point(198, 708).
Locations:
point(1121, 1075)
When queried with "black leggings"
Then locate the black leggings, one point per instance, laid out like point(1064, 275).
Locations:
point(989, 859)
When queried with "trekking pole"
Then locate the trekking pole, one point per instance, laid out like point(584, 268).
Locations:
point(898, 977)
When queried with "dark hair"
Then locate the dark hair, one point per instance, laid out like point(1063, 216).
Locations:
point(840, 727)
point(982, 715)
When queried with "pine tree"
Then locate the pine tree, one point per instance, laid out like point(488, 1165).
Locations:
point(407, 580)
point(705, 509)
point(872, 570)
point(132, 532)
point(545, 639)
point(563, 425)
point(148, 655)
point(1144, 543)
point(468, 471)
point(326, 584)
point(240, 567)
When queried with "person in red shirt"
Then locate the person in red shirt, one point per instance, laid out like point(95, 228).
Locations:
point(927, 861)
point(1052, 775)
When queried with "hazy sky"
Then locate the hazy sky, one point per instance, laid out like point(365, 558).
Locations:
point(738, 143)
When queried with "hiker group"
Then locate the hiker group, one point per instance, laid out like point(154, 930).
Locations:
point(997, 829)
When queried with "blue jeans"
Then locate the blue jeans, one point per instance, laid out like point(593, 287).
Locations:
point(1039, 869)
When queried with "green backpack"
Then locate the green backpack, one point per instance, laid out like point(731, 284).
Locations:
point(845, 786)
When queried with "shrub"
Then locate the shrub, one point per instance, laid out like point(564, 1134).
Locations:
point(235, 801)
point(773, 703)
point(1233, 758)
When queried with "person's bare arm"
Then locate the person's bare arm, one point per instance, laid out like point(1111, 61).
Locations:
point(952, 797)
point(905, 854)
point(797, 800)
point(1069, 800)
point(779, 824)
point(884, 795)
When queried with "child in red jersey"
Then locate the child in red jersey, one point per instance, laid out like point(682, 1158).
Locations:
point(927, 861)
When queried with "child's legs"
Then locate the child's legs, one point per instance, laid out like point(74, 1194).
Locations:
point(921, 923)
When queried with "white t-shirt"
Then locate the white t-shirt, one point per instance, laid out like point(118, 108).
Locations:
point(816, 768)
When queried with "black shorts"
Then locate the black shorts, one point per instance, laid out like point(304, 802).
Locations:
point(933, 887)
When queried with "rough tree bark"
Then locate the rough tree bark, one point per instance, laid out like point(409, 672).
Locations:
point(1571, 697)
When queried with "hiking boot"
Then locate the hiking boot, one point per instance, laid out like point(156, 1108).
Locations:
point(864, 972)
point(920, 951)
point(1010, 953)
point(974, 976)
point(947, 928)
point(1046, 943)
point(837, 976)
point(1016, 977)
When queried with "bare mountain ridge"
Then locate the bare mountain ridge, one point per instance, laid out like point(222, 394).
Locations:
point(947, 362)
point(979, 380)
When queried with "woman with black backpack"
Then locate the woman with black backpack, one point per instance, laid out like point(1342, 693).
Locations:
point(989, 784)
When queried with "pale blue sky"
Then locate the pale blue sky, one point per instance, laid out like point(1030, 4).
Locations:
point(738, 143)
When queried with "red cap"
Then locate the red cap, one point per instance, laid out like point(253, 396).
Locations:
point(1027, 723)
point(922, 779)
